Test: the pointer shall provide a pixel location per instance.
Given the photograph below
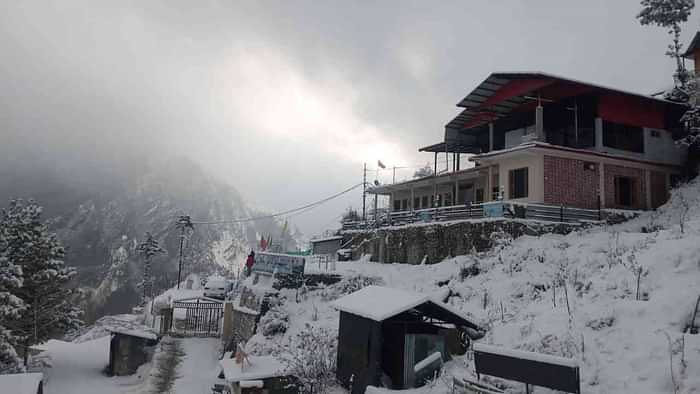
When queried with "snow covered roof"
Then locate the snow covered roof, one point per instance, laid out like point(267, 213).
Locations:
point(260, 367)
point(379, 303)
point(134, 332)
point(21, 383)
point(532, 356)
point(326, 239)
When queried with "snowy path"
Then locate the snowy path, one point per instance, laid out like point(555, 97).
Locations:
point(77, 369)
point(197, 373)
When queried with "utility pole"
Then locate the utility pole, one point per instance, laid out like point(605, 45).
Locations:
point(364, 193)
point(183, 223)
point(393, 178)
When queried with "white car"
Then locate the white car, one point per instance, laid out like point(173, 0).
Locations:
point(217, 288)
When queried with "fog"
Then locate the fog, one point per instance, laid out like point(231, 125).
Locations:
point(286, 100)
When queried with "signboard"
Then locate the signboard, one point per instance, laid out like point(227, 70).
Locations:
point(493, 209)
point(278, 262)
point(556, 373)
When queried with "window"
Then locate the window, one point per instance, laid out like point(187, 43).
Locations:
point(623, 137)
point(416, 203)
point(404, 204)
point(397, 205)
point(518, 183)
point(479, 195)
point(655, 133)
point(624, 187)
point(424, 202)
point(448, 199)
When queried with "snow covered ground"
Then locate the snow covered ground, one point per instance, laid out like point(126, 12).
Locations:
point(574, 296)
point(77, 368)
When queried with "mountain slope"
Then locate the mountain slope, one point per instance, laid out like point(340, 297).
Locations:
point(102, 213)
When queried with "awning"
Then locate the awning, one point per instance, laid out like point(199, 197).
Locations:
point(452, 147)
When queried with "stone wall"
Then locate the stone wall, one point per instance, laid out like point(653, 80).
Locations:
point(437, 241)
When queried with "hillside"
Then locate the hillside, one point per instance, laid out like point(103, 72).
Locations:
point(101, 211)
point(573, 296)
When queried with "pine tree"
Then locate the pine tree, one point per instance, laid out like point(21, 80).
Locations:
point(669, 14)
point(10, 306)
point(148, 249)
point(29, 244)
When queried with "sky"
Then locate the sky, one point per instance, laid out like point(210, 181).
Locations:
point(286, 100)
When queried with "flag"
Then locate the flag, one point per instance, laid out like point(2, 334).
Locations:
point(263, 243)
point(380, 164)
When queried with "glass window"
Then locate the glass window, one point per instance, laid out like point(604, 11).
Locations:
point(518, 183)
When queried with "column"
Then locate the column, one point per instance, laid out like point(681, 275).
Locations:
point(539, 123)
point(488, 193)
point(601, 183)
point(599, 134)
point(647, 188)
point(490, 137)
point(412, 199)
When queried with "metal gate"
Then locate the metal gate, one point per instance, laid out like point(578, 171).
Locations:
point(199, 317)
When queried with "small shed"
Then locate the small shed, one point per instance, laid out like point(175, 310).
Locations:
point(22, 383)
point(387, 335)
point(326, 246)
point(257, 374)
point(129, 349)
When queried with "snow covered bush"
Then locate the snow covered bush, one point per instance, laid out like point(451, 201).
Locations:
point(349, 285)
point(311, 356)
point(274, 322)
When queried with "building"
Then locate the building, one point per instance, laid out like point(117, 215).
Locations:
point(327, 246)
point(540, 138)
point(693, 51)
point(385, 334)
point(22, 383)
point(129, 349)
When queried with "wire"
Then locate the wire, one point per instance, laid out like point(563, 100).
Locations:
point(298, 210)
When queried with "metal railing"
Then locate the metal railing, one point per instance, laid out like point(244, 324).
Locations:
point(542, 212)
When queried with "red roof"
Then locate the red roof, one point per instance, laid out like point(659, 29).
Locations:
point(503, 93)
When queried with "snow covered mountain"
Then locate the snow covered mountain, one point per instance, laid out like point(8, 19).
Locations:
point(102, 212)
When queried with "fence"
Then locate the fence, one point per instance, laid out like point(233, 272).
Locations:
point(194, 317)
point(543, 212)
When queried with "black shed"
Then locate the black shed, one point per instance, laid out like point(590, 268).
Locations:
point(384, 333)
point(129, 349)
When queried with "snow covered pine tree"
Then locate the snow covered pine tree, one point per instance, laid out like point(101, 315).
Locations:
point(29, 244)
point(148, 249)
point(10, 307)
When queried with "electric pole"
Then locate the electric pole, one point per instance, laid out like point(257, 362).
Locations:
point(183, 223)
point(364, 193)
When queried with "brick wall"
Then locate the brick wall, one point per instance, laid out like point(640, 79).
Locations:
point(568, 182)
point(638, 193)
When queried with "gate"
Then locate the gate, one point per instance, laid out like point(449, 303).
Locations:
point(197, 317)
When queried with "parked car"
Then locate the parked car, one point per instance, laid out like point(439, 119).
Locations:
point(217, 287)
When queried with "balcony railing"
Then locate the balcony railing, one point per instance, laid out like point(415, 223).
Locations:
point(542, 212)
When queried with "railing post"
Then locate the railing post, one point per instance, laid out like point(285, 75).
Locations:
point(561, 213)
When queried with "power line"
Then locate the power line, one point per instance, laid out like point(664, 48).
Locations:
point(298, 210)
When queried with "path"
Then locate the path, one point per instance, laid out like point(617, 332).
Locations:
point(198, 371)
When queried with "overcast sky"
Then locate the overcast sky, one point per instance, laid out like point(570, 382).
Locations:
point(285, 100)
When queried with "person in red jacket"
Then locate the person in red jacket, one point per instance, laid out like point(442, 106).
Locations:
point(250, 261)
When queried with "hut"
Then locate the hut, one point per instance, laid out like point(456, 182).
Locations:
point(22, 383)
point(256, 374)
point(387, 337)
point(326, 246)
point(129, 349)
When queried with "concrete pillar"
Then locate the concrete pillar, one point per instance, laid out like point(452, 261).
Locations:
point(539, 123)
point(599, 134)
point(490, 137)
point(227, 325)
point(647, 188)
point(488, 193)
point(412, 200)
point(601, 183)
